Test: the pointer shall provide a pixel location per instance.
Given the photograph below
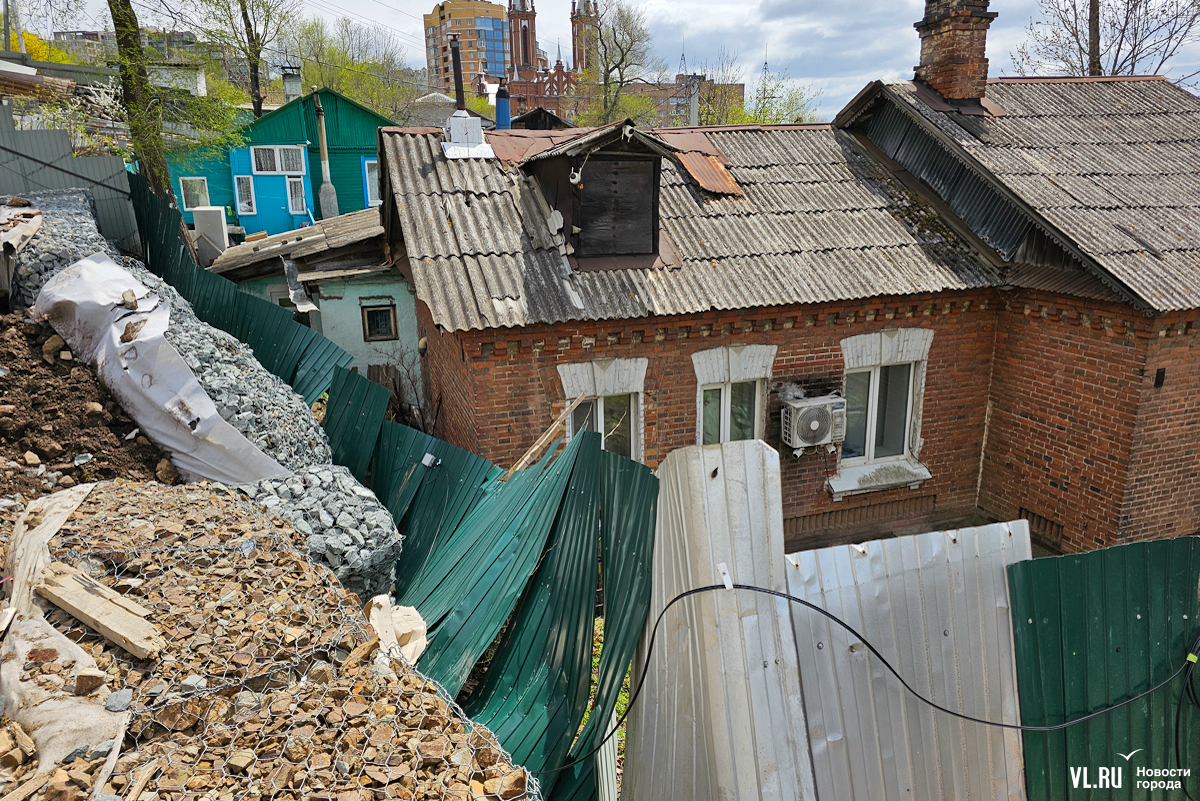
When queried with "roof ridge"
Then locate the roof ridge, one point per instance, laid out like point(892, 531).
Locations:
point(1076, 78)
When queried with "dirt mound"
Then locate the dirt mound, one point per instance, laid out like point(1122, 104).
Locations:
point(59, 426)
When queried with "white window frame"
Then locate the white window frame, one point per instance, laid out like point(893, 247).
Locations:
point(725, 366)
point(183, 195)
point(870, 352)
point(635, 443)
point(873, 414)
point(602, 378)
point(237, 196)
point(368, 185)
point(303, 195)
point(726, 388)
point(278, 160)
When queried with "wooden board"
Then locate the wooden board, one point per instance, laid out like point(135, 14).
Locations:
point(119, 619)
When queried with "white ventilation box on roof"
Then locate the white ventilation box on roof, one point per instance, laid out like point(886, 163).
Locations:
point(465, 138)
point(814, 421)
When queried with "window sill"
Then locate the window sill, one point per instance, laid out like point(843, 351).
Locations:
point(859, 478)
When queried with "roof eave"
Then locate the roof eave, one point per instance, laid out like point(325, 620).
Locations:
point(862, 102)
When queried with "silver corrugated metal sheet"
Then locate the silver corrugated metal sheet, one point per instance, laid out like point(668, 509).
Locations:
point(818, 221)
point(936, 605)
point(720, 714)
point(1113, 165)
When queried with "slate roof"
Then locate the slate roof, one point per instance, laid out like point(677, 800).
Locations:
point(1114, 165)
point(818, 220)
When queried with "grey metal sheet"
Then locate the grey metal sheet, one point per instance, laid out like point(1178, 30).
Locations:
point(719, 716)
point(936, 605)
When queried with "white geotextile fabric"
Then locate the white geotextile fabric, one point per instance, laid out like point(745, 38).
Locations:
point(145, 373)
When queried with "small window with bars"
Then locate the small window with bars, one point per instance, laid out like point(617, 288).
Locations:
point(379, 323)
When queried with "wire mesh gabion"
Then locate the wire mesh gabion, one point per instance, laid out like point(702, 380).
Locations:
point(272, 684)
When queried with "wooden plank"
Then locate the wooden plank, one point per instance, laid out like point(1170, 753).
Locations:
point(28, 788)
point(143, 778)
point(106, 769)
point(114, 619)
point(543, 440)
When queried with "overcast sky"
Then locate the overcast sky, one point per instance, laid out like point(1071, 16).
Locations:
point(836, 46)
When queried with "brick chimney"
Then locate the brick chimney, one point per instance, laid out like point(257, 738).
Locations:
point(953, 44)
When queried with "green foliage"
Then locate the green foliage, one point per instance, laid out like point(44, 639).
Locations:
point(205, 126)
point(480, 105)
point(622, 697)
point(778, 98)
point(625, 63)
point(364, 64)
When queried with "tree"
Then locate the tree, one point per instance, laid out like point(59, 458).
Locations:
point(625, 60)
point(365, 64)
point(143, 111)
point(777, 97)
point(245, 28)
point(1107, 37)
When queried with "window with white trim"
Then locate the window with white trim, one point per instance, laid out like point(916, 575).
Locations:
point(612, 405)
point(731, 392)
point(244, 188)
point(277, 159)
point(884, 388)
point(296, 201)
point(193, 192)
point(371, 181)
point(878, 407)
point(730, 412)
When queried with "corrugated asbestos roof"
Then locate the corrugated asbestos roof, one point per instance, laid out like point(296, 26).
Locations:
point(818, 220)
point(1113, 165)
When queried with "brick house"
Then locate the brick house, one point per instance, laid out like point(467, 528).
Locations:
point(1001, 278)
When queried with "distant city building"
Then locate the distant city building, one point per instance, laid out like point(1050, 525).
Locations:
point(482, 29)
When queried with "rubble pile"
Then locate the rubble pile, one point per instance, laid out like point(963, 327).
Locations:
point(271, 684)
point(344, 522)
point(58, 424)
point(68, 233)
point(254, 401)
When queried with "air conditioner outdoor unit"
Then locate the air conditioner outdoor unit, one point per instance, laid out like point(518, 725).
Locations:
point(814, 421)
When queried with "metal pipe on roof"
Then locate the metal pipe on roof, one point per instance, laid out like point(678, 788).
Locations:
point(327, 193)
point(503, 108)
point(460, 98)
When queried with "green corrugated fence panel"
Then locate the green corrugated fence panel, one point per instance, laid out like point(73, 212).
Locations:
point(471, 583)
point(314, 372)
point(536, 689)
point(1091, 630)
point(397, 471)
point(628, 505)
point(353, 417)
point(446, 494)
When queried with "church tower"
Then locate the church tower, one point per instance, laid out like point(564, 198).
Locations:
point(522, 34)
point(585, 25)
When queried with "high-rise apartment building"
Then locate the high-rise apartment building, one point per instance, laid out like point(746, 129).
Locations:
point(483, 30)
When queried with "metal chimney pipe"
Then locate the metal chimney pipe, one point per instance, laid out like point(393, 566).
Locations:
point(460, 97)
point(327, 193)
point(694, 100)
point(503, 108)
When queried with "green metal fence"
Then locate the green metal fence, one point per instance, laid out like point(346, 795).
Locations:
point(294, 352)
point(353, 416)
point(1092, 630)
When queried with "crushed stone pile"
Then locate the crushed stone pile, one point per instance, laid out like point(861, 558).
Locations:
point(345, 524)
point(271, 684)
point(68, 234)
point(58, 424)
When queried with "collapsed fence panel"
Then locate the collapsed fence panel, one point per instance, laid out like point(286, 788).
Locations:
point(353, 417)
point(1092, 630)
point(471, 583)
point(936, 606)
point(628, 500)
point(720, 716)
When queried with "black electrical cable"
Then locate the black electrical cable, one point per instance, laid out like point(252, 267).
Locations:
point(1189, 690)
point(714, 587)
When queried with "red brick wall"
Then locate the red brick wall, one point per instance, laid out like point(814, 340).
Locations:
point(449, 384)
point(518, 393)
point(1063, 408)
point(1162, 497)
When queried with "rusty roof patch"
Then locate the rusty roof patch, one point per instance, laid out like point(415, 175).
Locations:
point(710, 173)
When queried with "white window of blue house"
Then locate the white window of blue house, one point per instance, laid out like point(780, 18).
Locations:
point(371, 182)
point(296, 202)
point(244, 185)
point(277, 160)
point(194, 192)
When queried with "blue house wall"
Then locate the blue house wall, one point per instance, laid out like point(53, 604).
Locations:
point(271, 211)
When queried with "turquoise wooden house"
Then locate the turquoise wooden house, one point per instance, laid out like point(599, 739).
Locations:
point(271, 183)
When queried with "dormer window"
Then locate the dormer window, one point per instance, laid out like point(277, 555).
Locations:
point(618, 205)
